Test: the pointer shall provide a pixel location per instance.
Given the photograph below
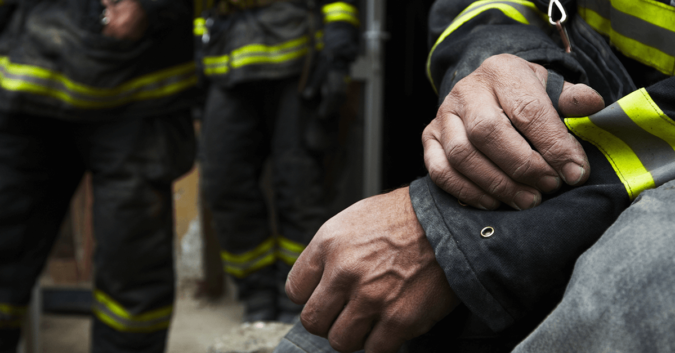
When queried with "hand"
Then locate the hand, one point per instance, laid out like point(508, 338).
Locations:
point(473, 151)
point(370, 278)
point(126, 20)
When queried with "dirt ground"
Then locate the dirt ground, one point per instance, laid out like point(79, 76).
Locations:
point(196, 325)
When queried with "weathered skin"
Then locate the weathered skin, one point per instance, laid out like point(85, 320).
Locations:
point(369, 277)
point(474, 149)
point(127, 20)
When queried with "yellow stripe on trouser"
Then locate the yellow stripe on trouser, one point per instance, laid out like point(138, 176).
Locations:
point(524, 12)
point(644, 156)
point(254, 54)
point(11, 315)
point(114, 315)
point(265, 254)
point(340, 11)
point(40, 81)
point(240, 265)
point(289, 251)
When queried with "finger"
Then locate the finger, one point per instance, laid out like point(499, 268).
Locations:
point(350, 329)
point(386, 338)
point(322, 308)
point(106, 3)
point(525, 101)
point(305, 274)
point(454, 183)
point(579, 100)
point(474, 165)
point(491, 132)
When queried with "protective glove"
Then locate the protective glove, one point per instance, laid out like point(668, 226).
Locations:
point(329, 80)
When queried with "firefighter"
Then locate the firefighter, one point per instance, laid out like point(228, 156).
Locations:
point(522, 121)
point(278, 72)
point(105, 88)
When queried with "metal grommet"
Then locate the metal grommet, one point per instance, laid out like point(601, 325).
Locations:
point(487, 232)
point(461, 203)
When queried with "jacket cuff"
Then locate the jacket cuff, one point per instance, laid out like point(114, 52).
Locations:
point(458, 271)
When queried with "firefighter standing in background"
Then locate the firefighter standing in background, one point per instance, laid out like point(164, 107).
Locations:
point(105, 91)
point(278, 73)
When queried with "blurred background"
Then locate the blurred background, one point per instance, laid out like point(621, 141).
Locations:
point(389, 103)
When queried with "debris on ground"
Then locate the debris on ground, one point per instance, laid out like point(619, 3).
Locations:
point(256, 337)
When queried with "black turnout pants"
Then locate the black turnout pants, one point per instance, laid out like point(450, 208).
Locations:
point(133, 163)
point(243, 127)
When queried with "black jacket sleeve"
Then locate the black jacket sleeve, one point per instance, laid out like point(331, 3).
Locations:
point(504, 276)
point(341, 21)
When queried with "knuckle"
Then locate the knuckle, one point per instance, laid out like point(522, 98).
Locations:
point(482, 130)
point(498, 186)
point(460, 154)
point(441, 177)
point(527, 111)
point(341, 345)
point(309, 320)
point(555, 152)
point(523, 169)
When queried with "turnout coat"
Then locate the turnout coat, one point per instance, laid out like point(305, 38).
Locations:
point(508, 267)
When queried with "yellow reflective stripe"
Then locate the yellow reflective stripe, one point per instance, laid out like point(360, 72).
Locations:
point(238, 271)
point(83, 96)
point(119, 310)
point(291, 245)
point(469, 13)
point(108, 320)
point(38, 72)
point(651, 11)
point(260, 54)
point(595, 20)
point(625, 163)
point(12, 310)
point(289, 251)
point(245, 257)
point(636, 137)
point(340, 11)
point(642, 109)
point(264, 54)
point(340, 7)
point(630, 47)
point(336, 17)
point(199, 26)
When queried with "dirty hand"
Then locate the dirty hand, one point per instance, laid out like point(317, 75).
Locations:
point(126, 19)
point(473, 148)
point(370, 278)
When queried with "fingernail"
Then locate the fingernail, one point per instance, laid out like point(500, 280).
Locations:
point(487, 203)
point(572, 173)
point(548, 183)
point(525, 200)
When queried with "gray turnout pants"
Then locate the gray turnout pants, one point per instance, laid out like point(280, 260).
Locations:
point(620, 297)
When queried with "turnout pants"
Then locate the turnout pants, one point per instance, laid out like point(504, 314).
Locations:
point(133, 163)
point(244, 126)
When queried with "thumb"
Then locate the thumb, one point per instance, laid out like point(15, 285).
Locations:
point(579, 100)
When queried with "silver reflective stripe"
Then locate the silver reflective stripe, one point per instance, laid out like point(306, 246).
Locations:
point(131, 324)
point(656, 155)
point(633, 27)
point(644, 32)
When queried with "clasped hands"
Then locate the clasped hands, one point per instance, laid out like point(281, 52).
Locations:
point(369, 278)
